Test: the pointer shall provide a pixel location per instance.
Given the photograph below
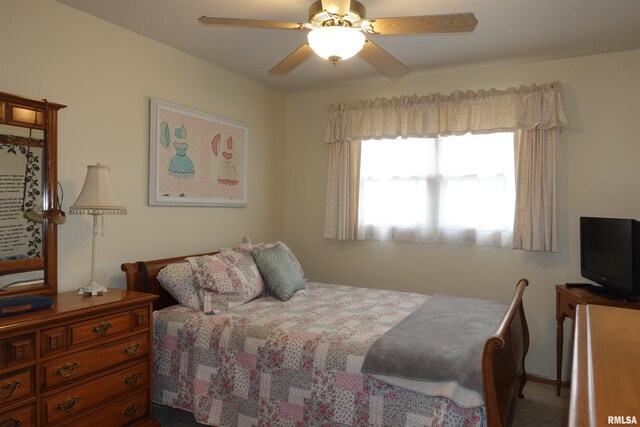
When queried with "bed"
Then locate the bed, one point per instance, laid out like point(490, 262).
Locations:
point(298, 362)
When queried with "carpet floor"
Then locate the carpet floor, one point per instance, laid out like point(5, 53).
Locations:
point(540, 407)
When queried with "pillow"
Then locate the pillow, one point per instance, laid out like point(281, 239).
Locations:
point(226, 280)
point(214, 303)
point(288, 251)
point(246, 268)
point(212, 273)
point(279, 272)
point(177, 279)
point(245, 246)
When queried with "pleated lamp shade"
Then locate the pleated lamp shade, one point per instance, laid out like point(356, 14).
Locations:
point(97, 196)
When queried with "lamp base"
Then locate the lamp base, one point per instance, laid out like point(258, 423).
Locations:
point(93, 288)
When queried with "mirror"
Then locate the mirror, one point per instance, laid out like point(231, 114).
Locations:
point(28, 195)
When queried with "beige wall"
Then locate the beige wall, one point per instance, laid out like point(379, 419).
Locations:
point(598, 175)
point(106, 76)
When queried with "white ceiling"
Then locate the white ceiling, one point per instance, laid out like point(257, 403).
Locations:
point(508, 31)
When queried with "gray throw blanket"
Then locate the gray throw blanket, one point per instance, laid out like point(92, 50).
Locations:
point(442, 340)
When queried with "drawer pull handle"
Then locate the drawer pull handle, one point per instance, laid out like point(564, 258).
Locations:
point(572, 307)
point(132, 348)
point(68, 369)
point(11, 422)
point(131, 411)
point(132, 379)
point(102, 328)
point(9, 388)
point(68, 404)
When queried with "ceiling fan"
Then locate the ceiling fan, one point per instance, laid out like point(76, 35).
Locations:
point(336, 32)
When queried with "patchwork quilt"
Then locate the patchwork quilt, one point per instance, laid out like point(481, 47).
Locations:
point(293, 363)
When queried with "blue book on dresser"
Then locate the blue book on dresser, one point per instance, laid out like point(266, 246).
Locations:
point(23, 304)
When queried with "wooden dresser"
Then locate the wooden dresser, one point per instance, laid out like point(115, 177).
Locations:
point(567, 299)
point(605, 376)
point(84, 362)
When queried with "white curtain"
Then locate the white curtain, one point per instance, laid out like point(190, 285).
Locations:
point(341, 214)
point(534, 226)
point(532, 108)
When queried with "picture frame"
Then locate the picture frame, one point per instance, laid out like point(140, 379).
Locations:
point(196, 158)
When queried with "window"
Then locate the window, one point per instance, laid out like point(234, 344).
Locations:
point(454, 189)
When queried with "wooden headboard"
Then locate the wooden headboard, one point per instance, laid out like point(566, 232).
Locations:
point(142, 277)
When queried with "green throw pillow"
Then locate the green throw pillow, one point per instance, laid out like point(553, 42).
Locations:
point(278, 271)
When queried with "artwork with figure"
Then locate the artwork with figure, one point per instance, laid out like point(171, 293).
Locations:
point(180, 165)
point(228, 174)
point(196, 158)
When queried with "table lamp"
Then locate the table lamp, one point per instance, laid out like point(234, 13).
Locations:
point(97, 198)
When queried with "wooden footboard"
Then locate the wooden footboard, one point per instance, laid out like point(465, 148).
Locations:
point(503, 372)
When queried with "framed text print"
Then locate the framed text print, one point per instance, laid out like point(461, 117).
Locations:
point(196, 158)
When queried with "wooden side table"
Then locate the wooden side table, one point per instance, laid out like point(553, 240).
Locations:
point(567, 298)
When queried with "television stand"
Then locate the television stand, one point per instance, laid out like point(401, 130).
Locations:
point(567, 299)
point(608, 293)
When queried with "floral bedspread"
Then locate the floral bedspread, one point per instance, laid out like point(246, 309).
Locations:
point(293, 363)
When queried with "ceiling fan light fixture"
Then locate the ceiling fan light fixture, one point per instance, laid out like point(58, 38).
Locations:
point(336, 42)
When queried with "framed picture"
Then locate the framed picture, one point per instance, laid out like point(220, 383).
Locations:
point(196, 158)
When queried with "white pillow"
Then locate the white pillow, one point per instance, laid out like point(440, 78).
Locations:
point(177, 279)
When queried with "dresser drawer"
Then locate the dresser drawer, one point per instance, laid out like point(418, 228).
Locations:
point(61, 338)
point(53, 340)
point(16, 385)
point(119, 413)
point(140, 318)
point(16, 350)
point(91, 394)
point(68, 368)
point(96, 329)
point(23, 416)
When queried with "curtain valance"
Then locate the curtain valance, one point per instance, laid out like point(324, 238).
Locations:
point(527, 108)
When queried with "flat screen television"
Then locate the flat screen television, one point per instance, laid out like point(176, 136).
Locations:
point(610, 254)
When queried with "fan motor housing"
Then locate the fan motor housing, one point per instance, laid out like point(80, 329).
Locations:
point(318, 16)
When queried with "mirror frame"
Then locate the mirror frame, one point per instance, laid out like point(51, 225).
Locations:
point(37, 114)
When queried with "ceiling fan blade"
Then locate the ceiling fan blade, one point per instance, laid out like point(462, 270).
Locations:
point(256, 23)
point(382, 61)
point(336, 7)
point(452, 23)
point(296, 58)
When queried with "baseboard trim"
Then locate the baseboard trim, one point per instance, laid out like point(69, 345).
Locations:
point(545, 380)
